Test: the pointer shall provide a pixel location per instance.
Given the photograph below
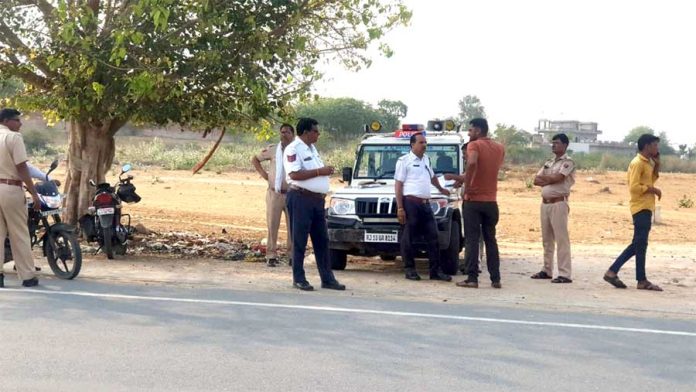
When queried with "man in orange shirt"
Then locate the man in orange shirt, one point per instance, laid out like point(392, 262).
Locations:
point(643, 171)
point(480, 209)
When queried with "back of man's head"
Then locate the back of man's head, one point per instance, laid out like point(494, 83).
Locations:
point(646, 139)
point(480, 123)
point(305, 124)
point(8, 114)
point(562, 137)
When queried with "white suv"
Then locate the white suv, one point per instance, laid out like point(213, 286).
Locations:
point(361, 216)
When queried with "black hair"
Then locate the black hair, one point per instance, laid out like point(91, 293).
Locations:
point(562, 137)
point(412, 140)
point(283, 125)
point(480, 123)
point(8, 114)
point(646, 139)
point(305, 124)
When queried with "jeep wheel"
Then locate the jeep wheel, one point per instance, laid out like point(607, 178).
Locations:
point(449, 258)
point(387, 257)
point(338, 258)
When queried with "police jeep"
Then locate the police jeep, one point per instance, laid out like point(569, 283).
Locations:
point(361, 216)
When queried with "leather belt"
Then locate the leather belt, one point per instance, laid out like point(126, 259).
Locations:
point(417, 199)
point(308, 193)
point(282, 191)
point(554, 199)
point(10, 182)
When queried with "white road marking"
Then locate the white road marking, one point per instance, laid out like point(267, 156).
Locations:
point(359, 311)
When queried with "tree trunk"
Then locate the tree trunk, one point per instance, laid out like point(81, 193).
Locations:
point(90, 156)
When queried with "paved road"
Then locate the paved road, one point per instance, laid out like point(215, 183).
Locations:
point(96, 336)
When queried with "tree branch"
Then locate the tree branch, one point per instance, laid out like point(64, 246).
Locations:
point(14, 42)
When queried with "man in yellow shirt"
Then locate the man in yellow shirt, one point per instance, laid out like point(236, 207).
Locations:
point(642, 174)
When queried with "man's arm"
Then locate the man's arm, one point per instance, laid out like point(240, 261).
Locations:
point(23, 172)
point(399, 192)
point(257, 165)
point(35, 172)
point(542, 180)
point(436, 184)
point(302, 175)
point(471, 165)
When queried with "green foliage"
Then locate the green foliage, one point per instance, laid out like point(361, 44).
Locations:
point(35, 141)
point(205, 63)
point(685, 202)
point(391, 113)
point(343, 118)
point(9, 87)
point(634, 134)
point(469, 108)
point(511, 136)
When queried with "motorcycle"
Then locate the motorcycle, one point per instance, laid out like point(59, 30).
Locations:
point(103, 221)
point(58, 240)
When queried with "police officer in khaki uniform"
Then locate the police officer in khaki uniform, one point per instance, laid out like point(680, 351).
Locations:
point(555, 179)
point(277, 190)
point(13, 208)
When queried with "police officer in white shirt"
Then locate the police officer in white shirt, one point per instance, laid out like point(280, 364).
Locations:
point(413, 177)
point(308, 179)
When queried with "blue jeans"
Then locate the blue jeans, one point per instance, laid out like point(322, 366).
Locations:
point(642, 222)
point(307, 220)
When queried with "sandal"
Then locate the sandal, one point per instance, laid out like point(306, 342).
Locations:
point(541, 275)
point(615, 281)
point(646, 285)
point(561, 279)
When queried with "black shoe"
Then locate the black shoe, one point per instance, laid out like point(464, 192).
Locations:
point(411, 274)
point(496, 285)
point(304, 286)
point(30, 282)
point(440, 276)
point(2, 280)
point(272, 262)
point(333, 286)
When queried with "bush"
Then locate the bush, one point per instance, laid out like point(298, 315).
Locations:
point(37, 141)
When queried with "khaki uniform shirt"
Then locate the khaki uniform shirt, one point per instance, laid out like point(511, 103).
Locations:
point(12, 153)
point(563, 165)
point(269, 154)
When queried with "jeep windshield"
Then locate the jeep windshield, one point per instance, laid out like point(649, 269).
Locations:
point(378, 161)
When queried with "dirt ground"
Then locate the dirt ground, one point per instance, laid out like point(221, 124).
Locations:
point(600, 228)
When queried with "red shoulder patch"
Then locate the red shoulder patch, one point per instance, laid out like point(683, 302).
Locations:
point(292, 158)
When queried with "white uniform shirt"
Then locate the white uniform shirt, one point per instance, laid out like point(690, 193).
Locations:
point(299, 156)
point(416, 175)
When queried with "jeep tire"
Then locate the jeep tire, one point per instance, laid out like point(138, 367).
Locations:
point(339, 259)
point(449, 258)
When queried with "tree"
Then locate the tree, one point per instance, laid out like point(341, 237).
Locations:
point(392, 113)
point(344, 118)
point(9, 87)
point(634, 134)
point(511, 136)
point(470, 108)
point(205, 64)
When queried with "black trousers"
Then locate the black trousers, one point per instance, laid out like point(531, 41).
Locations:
point(419, 220)
point(480, 218)
point(642, 222)
point(307, 219)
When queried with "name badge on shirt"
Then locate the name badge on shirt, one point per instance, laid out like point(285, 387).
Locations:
point(307, 159)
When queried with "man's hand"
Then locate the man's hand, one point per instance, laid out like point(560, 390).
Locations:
point(37, 202)
point(444, 191)
point(657, 192)
point(401, 214)
point(326, 171)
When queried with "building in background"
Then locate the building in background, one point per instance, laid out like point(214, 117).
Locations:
point(583, 136)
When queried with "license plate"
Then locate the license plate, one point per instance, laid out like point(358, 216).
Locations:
point(381, 237)
point(105, 211)
point(52, 212)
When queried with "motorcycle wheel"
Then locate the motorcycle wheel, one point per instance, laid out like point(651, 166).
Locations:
point(64, 254)
point(108, 242)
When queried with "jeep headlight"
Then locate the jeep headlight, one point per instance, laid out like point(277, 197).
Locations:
point(342, 207)
point(438, 205)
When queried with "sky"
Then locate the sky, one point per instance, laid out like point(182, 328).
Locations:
point(620, 64)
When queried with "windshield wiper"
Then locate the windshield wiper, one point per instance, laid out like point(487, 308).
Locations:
point(388, 172)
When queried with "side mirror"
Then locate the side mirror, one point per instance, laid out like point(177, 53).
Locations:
point(126, 168)
point(54, 164)
point(347, 174)
point(91, 182)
